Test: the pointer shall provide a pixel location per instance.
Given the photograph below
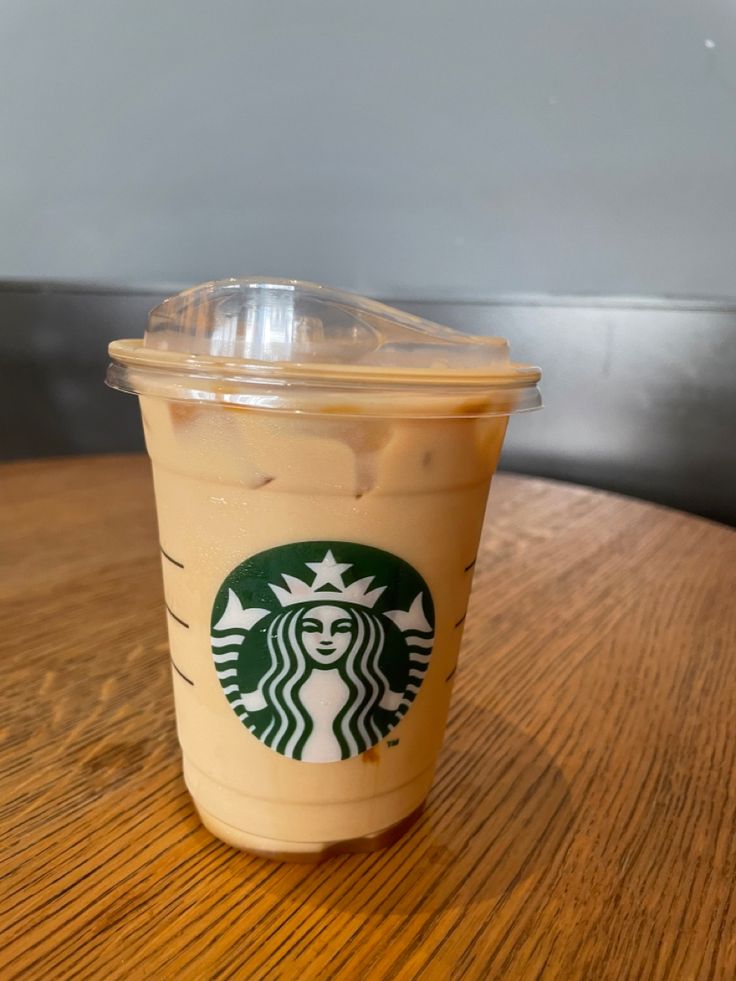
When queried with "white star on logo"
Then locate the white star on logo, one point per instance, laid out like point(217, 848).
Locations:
point(328, 572)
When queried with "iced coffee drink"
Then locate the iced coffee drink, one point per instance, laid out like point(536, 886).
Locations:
point(321, 467)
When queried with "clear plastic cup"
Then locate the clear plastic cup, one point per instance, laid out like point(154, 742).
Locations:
point(321, 465)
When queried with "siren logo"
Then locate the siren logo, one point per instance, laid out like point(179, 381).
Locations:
point(321, 647)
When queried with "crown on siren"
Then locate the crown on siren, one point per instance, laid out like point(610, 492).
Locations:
point(328, 584)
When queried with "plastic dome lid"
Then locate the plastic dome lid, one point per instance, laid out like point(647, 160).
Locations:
point(296, 346)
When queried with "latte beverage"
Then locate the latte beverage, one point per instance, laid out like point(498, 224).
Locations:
point(321, 466)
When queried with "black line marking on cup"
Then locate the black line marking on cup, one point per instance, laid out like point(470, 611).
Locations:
point(469, 567)
point(178, 619)
point(451, 674)
point(179, 671)
point(167, 556)
point(392, 742)
point(461, 621)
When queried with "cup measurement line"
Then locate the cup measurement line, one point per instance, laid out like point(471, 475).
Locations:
point(467, 567)
point(461, 621)
point(173, 561)
point(451, 674)
point(180, 672)
point(178, 619)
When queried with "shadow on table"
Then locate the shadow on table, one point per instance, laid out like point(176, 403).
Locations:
point(499, 812)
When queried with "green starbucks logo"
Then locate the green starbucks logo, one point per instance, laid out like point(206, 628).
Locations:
point(321, 647)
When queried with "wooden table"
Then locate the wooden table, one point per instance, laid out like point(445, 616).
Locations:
point(583, 823)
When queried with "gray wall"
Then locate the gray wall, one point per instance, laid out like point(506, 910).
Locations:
point(415, 148)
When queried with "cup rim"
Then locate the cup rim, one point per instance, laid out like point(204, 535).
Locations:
point(132, 352)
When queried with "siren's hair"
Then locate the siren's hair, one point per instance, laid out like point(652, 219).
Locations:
point(354, 727)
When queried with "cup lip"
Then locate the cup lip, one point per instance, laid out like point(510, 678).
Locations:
point(131, 352)
point(176, 360)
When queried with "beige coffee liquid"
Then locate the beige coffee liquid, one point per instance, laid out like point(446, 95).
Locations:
point(232, 482)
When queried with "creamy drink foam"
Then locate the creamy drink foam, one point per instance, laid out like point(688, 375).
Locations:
point(321, 466)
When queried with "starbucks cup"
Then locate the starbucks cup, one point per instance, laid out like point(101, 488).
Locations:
point(321, 465)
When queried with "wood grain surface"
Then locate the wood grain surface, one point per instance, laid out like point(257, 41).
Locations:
point(582, 825)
